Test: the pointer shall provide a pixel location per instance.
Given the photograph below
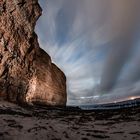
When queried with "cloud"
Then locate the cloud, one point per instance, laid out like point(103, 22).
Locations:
point(95, 43)
point(126, 18)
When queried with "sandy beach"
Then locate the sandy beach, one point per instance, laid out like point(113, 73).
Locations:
point(67, 124)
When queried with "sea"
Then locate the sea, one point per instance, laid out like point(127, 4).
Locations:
point(110, 106)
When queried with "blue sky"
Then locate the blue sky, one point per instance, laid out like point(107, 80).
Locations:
point(96, 44)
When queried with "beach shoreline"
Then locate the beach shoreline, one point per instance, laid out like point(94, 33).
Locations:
point(60, 124)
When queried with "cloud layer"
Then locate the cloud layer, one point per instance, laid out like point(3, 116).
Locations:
point(96, 43)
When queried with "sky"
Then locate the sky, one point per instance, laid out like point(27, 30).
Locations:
point(96, 44)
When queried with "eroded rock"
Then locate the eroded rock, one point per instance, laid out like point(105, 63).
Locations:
point(27, 74)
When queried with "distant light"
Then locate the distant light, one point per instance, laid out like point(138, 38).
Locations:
point(115, 102)
point(132, 98)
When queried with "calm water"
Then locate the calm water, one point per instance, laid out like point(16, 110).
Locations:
point(119, 105)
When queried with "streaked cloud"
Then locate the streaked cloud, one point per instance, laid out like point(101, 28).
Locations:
point(96, 44)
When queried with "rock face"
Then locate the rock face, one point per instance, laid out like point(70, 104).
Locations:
point(27, 74)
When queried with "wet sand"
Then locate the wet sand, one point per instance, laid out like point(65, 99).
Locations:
point(35, 123)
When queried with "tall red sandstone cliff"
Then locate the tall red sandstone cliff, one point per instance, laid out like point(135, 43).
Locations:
point(27, 74)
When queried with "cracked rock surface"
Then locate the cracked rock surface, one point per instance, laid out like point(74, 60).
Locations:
point(27, 74)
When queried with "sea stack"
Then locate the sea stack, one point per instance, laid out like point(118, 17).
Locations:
point(27, 74)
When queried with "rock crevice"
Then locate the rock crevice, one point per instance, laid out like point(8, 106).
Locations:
point(27, 74)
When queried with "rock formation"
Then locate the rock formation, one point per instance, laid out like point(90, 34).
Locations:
point(27, 74)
